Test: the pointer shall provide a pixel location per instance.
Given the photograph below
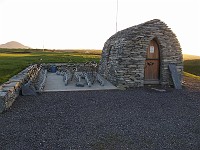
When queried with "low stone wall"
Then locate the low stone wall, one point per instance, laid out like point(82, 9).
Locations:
point(88, 66)
point(10, 90)
point(34, 76)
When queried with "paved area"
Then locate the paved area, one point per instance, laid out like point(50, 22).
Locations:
point(55, 83)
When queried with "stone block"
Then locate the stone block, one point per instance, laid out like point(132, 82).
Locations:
point(2, 101)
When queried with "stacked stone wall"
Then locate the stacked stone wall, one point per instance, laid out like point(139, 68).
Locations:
point(11, 89)
point(124, 54)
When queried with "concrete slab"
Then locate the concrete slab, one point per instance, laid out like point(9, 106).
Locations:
point(55, 82)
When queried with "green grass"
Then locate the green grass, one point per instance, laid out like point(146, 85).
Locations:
point(191, 75)
point(192, 66)
point(13, 61)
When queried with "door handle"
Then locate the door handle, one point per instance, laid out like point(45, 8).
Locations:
point(150, 63)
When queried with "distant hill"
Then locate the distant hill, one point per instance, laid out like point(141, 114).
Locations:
point(14, 44)
point(190, 57)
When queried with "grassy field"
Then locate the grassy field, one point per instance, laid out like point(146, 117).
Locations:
point(13, 61)
point(192, 66)
point(190, 57)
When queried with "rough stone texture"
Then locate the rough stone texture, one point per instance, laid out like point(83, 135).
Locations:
point(10, 90)
point(81, 67)
point(124, 54)
point(36, 74)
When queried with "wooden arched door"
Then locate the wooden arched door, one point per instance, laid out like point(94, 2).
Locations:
point(152, 64)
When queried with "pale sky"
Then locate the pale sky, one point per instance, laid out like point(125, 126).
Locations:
point(87, 24)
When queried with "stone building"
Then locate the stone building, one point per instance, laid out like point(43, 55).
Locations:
point(141, 55)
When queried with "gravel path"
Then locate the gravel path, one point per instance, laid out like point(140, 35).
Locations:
point(192, 84)
point(139, 118)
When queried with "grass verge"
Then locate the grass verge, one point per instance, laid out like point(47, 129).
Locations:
point(192, 66)
point(191, 75)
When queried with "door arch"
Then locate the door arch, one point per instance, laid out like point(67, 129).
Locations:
point(152, 64)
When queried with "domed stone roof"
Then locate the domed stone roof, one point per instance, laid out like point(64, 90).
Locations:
point(124, 53)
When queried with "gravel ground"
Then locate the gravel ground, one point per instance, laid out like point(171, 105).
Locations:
point(135, 119)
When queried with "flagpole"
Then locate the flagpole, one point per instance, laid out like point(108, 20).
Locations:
point(116, 15)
